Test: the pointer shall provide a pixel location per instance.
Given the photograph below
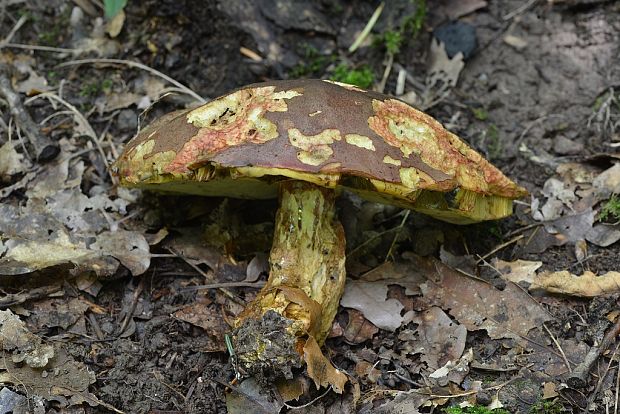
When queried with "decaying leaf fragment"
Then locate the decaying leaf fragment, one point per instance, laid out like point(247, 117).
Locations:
point(42, 369)
point(321, 370)
point(562, 282)
point(508, 313)
point(586, 285)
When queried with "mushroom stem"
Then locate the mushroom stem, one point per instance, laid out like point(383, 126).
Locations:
point(306, 281)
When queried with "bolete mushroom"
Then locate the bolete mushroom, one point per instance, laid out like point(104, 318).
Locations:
point(304, 141)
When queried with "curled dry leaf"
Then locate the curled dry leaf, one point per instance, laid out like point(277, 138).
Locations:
point(586, 285)
point(358, 329)
point(322, 372)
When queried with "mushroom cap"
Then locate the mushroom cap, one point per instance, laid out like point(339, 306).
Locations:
point(331, 134)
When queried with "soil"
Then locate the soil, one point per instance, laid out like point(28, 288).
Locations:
point(513, 103)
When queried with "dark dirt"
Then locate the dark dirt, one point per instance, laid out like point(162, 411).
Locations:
point(532, 97)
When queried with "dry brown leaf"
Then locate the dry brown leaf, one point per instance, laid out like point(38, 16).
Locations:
point(517, 271)
point(11, 162)
point(370, 298)
point(508, 313)
point(442, 340)
point(322, 372)
point(290, 389)
point(358, 329)
point(367, 371)
point(207, 318)
point(587, 285)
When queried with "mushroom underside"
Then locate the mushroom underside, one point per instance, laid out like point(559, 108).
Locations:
point(459, 206)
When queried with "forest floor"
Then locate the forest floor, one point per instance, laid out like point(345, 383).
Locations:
point(104, 308)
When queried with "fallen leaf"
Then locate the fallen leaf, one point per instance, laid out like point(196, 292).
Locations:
point(441, 339)
point(586, 285)
point(291, 389)
point(549, 391)
point(443, 74)
point(396, 273)
point(11, 161)
point(251, 397)
point(208, 318)
point(21, 343)
point(322, 372)
point(358, 329)
point(517, 271)
point(404, 402)
point(129, 247)
point(370, 298)
point(508, 313)
point(458, 8)
point(608, 182)
point(367, 371)
point(604, 234)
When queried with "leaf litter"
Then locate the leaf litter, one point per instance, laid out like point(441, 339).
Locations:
point(82, 238)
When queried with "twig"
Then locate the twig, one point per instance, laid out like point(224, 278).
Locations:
point(138, 65)
point(399, 228)
point(14, 30)
point(386, 72)
point(519, 10)
point(82, 123)
point(292, 407)
point(371, 23)
point(500, 247)
point(557, 344)
point(37, 47)
point(44, 149)
point(256, 285)
point(13, 299)
point(579, 377)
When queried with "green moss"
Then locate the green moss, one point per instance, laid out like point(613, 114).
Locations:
point(476, 409)
point(91, 89)
point(392, 40)
point(547, 407)
point(494, 146)
point(313, 63)
point(610, 211)
point(480, 114)
point(106, 85)
point(415, 22)
point(362, 77)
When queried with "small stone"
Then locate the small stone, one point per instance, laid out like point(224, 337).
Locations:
point(127, 120)
point(457, 37)
point(483, 398)
point(565, 146)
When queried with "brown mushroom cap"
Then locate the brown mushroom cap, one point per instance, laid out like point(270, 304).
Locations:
point(334, 135)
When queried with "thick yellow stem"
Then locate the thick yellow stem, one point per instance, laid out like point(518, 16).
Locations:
point(305, 283)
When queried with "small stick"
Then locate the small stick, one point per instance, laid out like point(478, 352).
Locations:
point(138, 65)
point(579, 377)
point(44, 149)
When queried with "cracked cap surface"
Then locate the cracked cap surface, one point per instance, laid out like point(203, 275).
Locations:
point(331, 134)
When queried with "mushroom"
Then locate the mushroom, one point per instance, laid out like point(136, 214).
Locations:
point(305, 141)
